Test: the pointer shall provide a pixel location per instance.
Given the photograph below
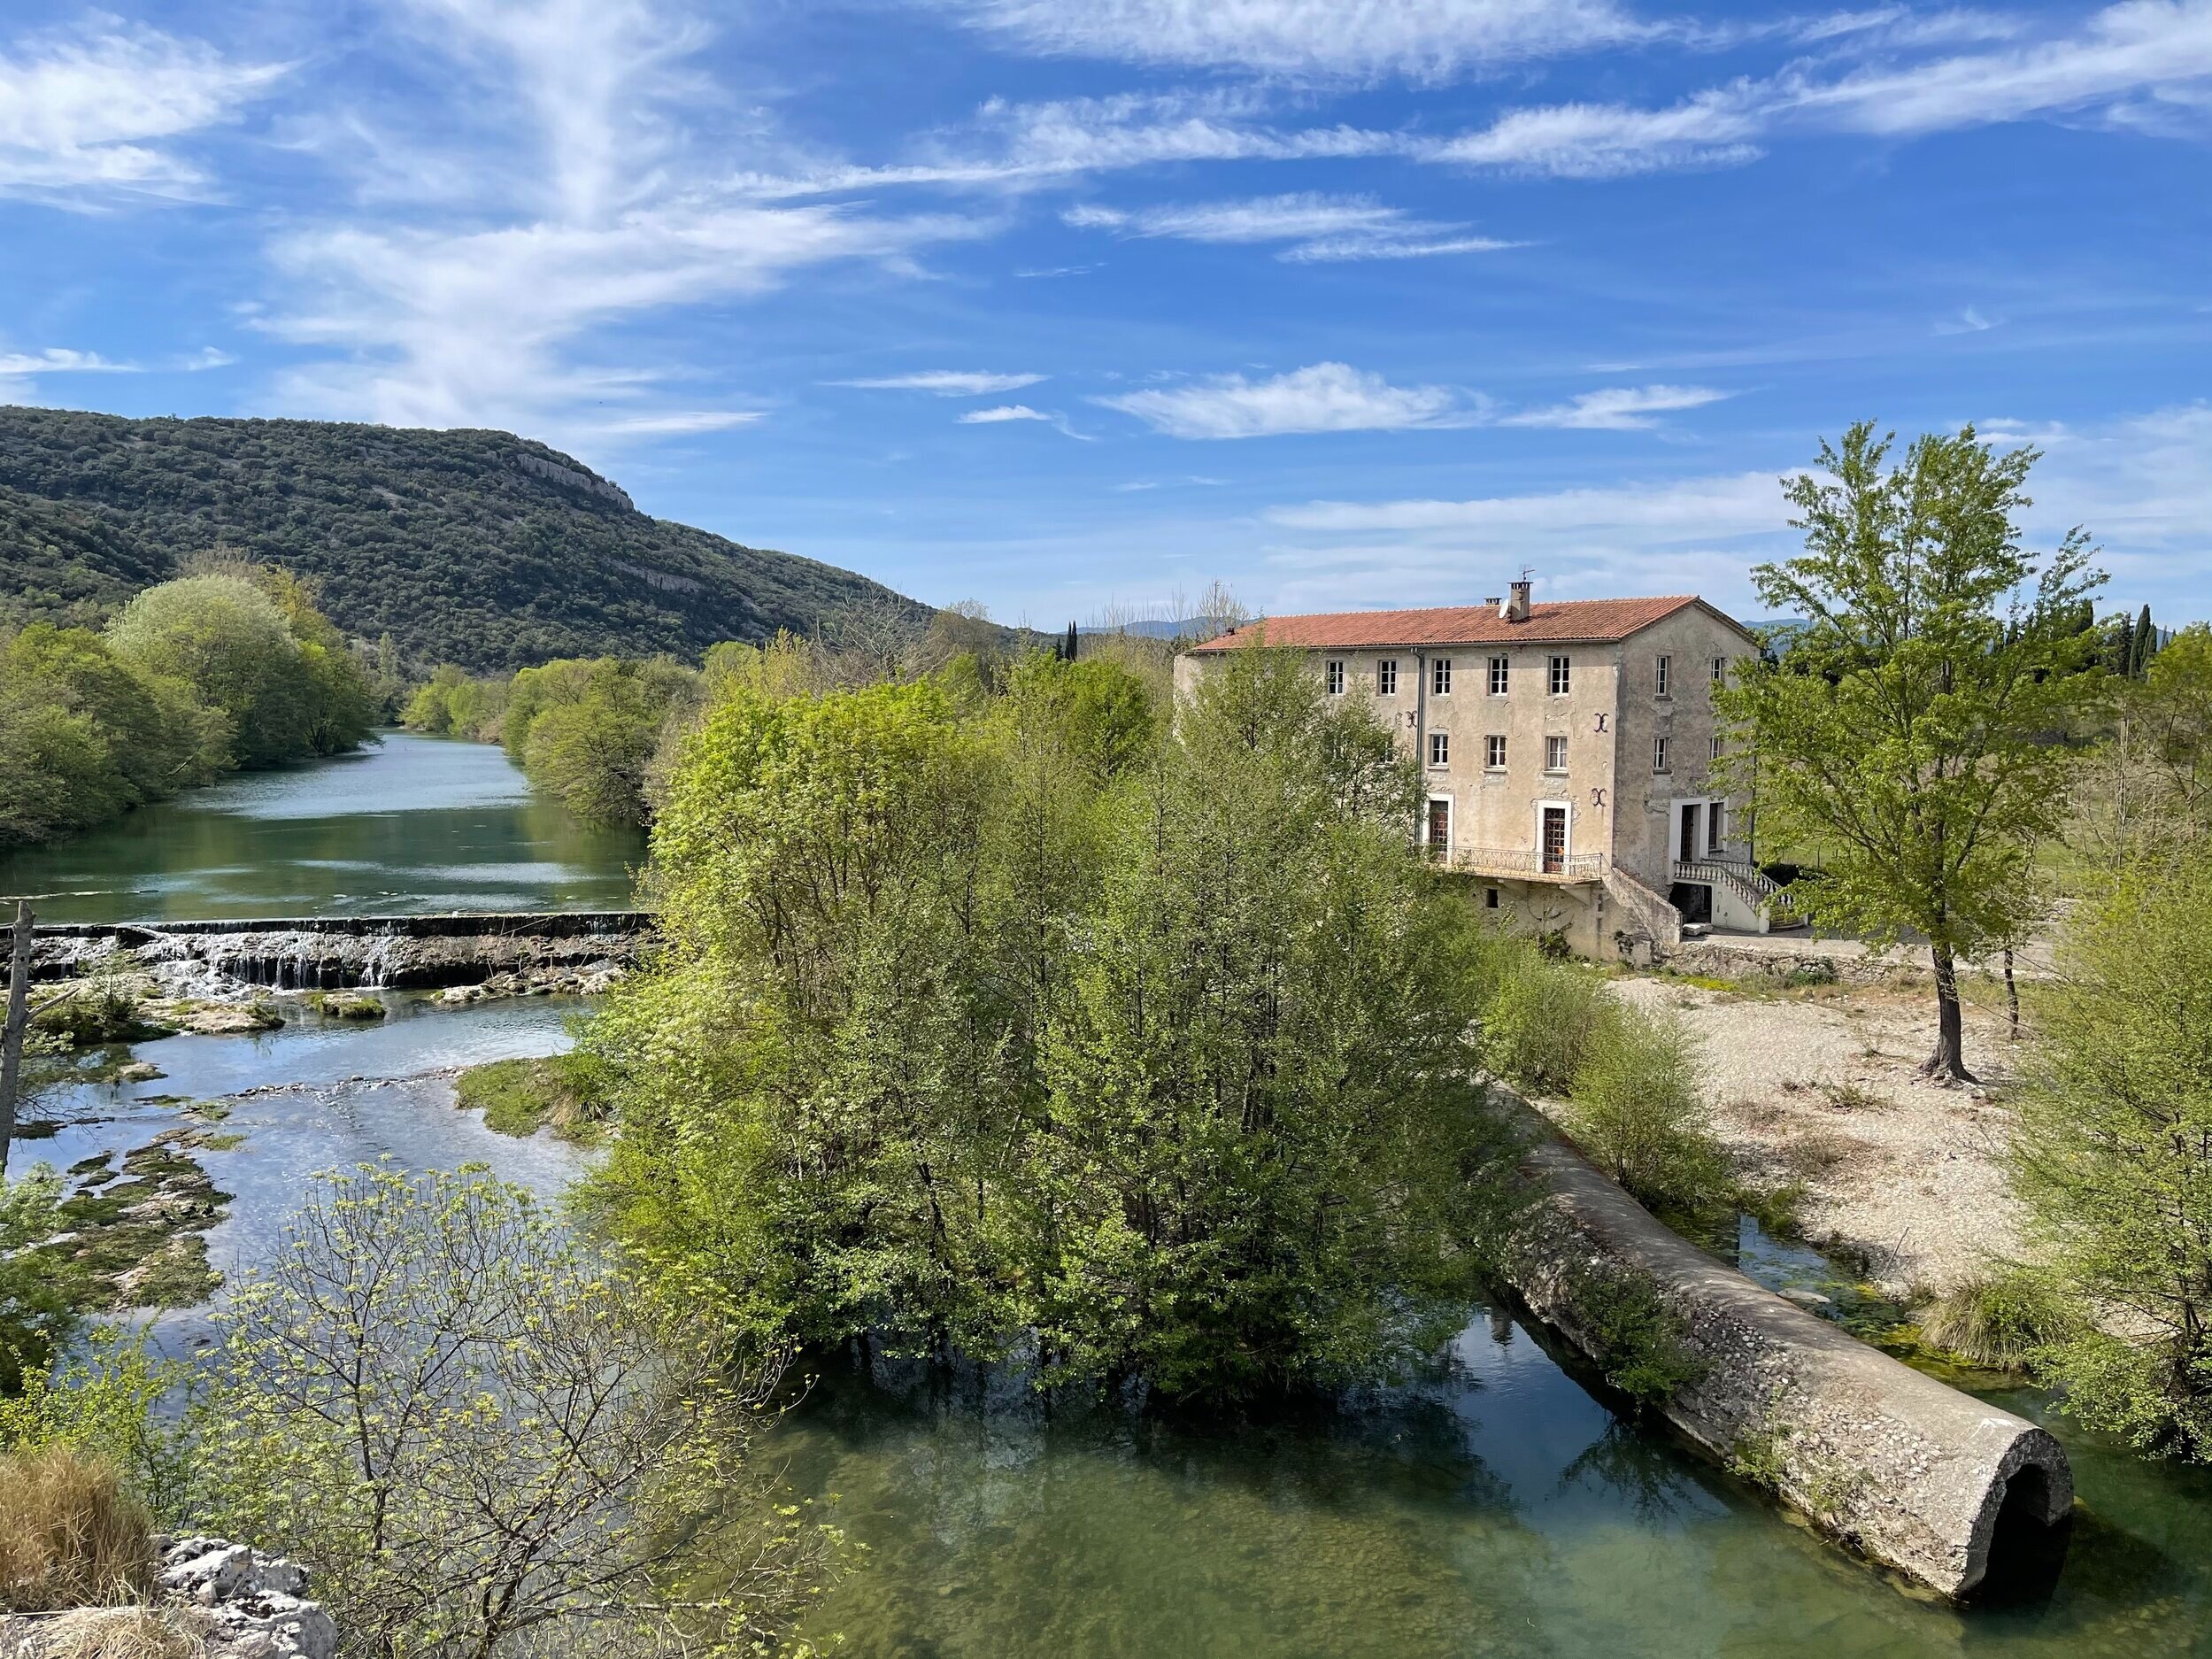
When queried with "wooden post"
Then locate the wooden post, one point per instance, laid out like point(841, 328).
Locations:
point(18, 1015)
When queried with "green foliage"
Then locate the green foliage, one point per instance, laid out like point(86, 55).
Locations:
point(105, 1402)
point(1540, 1016)
point(2003, 1318)
point(452, 702)
point(588, 738)
point(448, 541)
point(519, 1096)
point(487, 1440)
point(38, 1297)
point(1105, 716)
point(1638, 1110)
point(2115, 1161)
point(1640, 1344)
point(257, 653)
point(1005, 1036)
point(1906, 730)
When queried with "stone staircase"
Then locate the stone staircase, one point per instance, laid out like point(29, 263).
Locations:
point(1749, 883)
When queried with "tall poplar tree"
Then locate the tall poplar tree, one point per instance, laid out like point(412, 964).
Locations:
point(1910, 730)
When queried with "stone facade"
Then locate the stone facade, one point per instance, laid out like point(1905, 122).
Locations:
point(1560, 742)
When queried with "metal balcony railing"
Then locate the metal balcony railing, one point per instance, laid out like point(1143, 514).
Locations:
point(1524, 863)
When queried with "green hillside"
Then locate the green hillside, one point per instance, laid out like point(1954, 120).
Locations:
point(478, 548)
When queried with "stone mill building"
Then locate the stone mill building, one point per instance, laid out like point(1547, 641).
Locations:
point(1568, 749)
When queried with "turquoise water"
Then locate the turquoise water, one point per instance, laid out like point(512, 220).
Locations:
point(413, 825)
point(1498, 1509)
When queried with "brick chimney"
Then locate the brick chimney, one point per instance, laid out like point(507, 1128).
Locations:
point(1516, 606)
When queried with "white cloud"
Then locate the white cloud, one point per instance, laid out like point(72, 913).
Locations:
point(1616, 408)
point(1005, 411)
point(1320, 227)
point(207, 358)
point(947, 382)
point(83, 116)
point(1422, 40)
point(589, 211)
point(61, 360)
point(1325, 398)
point(1016, 146)
point(2128, 59)
point(1695, 534)
point(1969, 321)
point(1608, 141)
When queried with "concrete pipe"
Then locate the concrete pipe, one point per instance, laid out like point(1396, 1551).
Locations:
point(1879, 1457)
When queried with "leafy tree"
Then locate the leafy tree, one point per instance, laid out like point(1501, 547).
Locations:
point(487, 1440)
point(967, 1041)
point(2115, 1157)
point(1908, 729)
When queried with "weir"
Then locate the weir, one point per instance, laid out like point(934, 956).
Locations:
point(1879, 1457)
point(334, 952)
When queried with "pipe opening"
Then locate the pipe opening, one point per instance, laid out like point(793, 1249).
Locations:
point(2026, 1547)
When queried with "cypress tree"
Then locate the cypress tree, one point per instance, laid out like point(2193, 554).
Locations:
point(2145, 644)
point(1067, 651)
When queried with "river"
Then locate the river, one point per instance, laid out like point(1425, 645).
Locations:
point(1497, 1508)
point(410, 825)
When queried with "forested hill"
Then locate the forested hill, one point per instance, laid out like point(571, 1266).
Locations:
point(478, 548)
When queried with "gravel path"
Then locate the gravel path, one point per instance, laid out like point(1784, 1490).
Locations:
point(1820, 1088)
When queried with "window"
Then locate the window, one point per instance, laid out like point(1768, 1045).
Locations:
point(1336, 676)
point(1555, 755)
point(1490, 898)
point(1715, 825)
point(1499, 671)
point(1440, 677)
point(1494, 752)
point(1720, 669)
point(1386, 676)
point(1666, 676)
point(1659, 754)
point(1558, 677)
point(1716, 748)
point(1439, 748)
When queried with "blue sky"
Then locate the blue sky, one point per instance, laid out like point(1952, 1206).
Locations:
point(1065, 305)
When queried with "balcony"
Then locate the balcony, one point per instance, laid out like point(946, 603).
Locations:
point(1524, 864)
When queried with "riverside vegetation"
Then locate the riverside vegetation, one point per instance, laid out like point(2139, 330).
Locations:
point(231, 668)
point(483, 1437)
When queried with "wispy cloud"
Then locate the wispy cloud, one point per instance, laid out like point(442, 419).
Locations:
point(1422, 40)
point(1318, 227)
point(1616, 408)
point(2125, 56)
point(1325, 398)
point(947, 382)
point(1969, 321)
point(1671, 536)
point(591, 211)
point(89, 119)
point(61, 360)
point(1005, 411)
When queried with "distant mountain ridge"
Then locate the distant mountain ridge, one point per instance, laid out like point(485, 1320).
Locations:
point(474, 547)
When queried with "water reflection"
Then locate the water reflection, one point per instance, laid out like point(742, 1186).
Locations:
point(416, 824)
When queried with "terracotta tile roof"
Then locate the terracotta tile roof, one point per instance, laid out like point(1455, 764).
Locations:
point(1557, 620)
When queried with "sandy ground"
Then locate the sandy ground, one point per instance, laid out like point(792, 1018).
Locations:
point(1819, 1088)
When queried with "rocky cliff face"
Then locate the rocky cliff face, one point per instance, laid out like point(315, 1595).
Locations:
point(217, 1601)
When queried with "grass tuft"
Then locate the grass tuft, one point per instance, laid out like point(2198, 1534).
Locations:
point(1999, 1319)
point(70, 1536)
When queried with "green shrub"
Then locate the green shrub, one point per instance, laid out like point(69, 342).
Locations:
point(1539, 1018)
point(2115, 1157)
point(1637, 1109)
point(1641, 1345)
point(2002, 1319)
point(38, 1294)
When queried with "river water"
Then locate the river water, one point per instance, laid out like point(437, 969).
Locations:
point(1498, 1508)
point(412, 825)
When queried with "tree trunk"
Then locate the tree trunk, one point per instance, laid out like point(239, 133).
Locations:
point(1948, 1063)
point(18, 1016)
point(2012, 996)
